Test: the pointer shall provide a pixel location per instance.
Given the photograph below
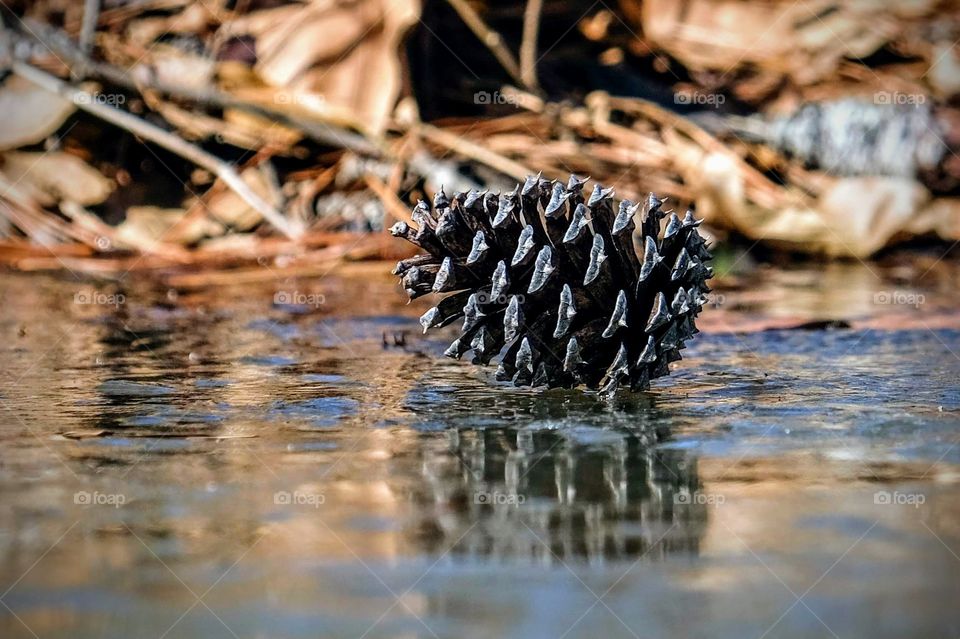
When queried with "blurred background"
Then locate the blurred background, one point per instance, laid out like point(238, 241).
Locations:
point(218, 417)
point(161, 134)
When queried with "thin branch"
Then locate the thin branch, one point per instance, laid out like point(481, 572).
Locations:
point(141, 128)
point(528, 45)
point(81, 65)
point(475, 151)
point(489, 37)
point(393, 206)
point(88, 28)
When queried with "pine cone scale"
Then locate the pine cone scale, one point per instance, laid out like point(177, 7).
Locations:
point(552, 282)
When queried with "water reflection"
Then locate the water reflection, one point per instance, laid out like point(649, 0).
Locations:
point(460, 496)
point(545, 496)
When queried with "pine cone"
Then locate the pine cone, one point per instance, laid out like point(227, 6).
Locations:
point(557, 279)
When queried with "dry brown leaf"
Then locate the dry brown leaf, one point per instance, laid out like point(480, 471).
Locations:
point(803, 40)
point(54, 176)
point(944, 72)
point(193, 19)
point(865, 213)
point(150, 225)
point(941, 216)
point(339, 57)
point(30, 114)
point(170, 66)
point(853, 216)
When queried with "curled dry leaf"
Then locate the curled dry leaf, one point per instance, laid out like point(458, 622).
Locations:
point(195, 17)
point(852, 216)
point(805, 41)
point(941, 216)
point(30, 114)
point(54, 176)
point(329, 55)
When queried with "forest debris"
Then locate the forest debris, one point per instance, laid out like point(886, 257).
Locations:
point(170, 66)
point(391, 203)
point(528, 44)
point(54, 176)
point(230, 209)
point(854, 136)
point(802, 40)
point(475, 151)
point(30, 114)
point(491, 39)
point(864, 213)
point(944, 74)
point(345, 54)
point(303, 98)
point(146, 226)
point(243, 97)
point(941, 216)
point(151, 132)
point(318, 262)
point(852, 216)
point(195, 17)
point(769, 54)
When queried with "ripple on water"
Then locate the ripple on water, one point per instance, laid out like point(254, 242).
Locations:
point(127, 388)
point(318, 412)
point(271, 361)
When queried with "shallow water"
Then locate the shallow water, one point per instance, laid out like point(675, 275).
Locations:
point(207, 464)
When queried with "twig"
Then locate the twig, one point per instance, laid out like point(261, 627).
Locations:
point(391, 203)
point(472, 150)
point(528, 45)
point(155, 134)
point(81, 65)
point(88, 221)
point(489, 37)
point(88, 28)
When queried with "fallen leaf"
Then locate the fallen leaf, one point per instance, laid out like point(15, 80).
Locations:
point(54, 176)
point(805, 41)
point(332, 57)
point(30, 114)
point(171, 66)
point(146, 225)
